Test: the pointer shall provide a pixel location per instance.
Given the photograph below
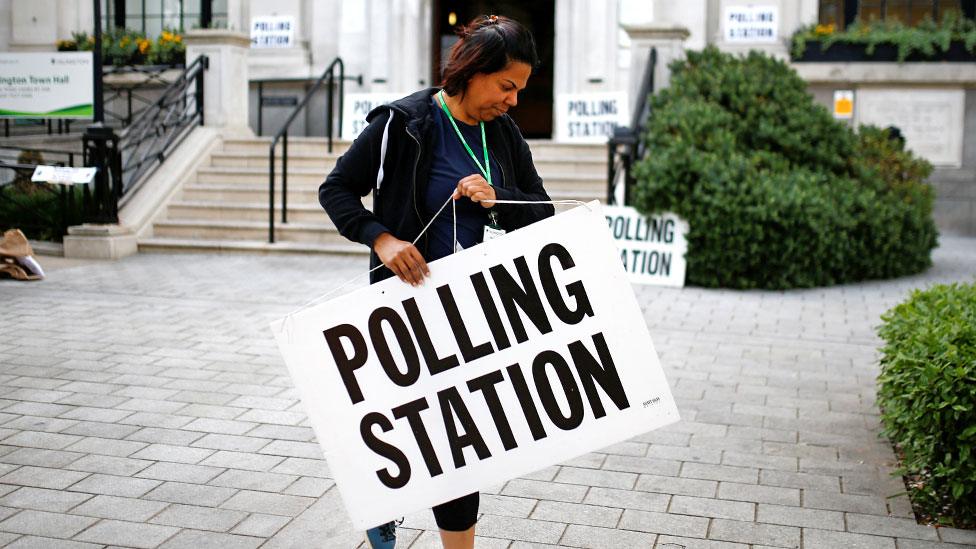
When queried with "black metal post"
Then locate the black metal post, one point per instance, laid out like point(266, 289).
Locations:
point(328, 111)
point(260, 107)
point(98, 102)
point(101, 152)
point(284, 179)
point(271, 186)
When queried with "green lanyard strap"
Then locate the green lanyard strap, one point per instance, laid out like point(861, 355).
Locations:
point(486, 169)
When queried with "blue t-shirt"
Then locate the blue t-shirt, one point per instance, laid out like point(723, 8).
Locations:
point(452, 163)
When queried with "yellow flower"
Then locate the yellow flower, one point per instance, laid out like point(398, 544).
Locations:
point(125, 41)
point(144, 45)
point(166, 36)
point(824, 30)
point(177, 38)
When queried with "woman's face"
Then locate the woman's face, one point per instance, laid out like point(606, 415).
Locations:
point(490, 95)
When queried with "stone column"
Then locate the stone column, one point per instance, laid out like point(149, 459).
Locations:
point(667, 39)
point(225, 85)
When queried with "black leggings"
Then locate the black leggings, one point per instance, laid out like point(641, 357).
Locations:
point(458, 514)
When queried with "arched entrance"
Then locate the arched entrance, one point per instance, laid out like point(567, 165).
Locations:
point(534, 111)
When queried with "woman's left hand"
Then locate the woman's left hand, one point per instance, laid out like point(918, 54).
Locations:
point(477, 189)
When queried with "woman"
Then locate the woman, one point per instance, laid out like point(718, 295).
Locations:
point(416, 153)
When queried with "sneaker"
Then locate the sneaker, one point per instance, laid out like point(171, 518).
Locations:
point(382, 537)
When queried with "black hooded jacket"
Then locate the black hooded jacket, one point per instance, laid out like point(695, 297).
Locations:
point(398, 199)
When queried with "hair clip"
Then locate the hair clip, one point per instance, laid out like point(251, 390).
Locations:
point(491, 19)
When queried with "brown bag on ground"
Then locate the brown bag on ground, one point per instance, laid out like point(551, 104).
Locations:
point(14, 246)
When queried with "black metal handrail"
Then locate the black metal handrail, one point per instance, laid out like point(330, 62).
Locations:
point(628, 144)
point(160, 127)
point(282, 135)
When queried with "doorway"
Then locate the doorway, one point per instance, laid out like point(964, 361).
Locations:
point(533, 114)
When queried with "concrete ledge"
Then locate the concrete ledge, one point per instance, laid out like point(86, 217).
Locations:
point(99, 242)
point(888, 73)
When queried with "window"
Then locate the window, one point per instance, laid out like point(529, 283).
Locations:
point(152, 16)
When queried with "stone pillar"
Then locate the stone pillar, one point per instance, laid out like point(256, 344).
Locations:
point(667, 39)
point(225, 84)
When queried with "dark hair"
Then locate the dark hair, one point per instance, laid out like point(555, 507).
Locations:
point(488, 44)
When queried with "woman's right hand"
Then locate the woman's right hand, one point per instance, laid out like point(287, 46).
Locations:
point(401, 257)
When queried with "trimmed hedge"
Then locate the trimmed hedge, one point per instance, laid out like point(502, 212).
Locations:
point(777, 193)
point(927, 395)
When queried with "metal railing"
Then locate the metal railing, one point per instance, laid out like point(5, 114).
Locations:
point(161, 127)
point(124, 161)
point(330, 79)
point(627, 144)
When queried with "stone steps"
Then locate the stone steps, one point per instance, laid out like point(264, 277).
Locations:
point(224, 206)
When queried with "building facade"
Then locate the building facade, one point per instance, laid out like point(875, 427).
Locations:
point(590, 49)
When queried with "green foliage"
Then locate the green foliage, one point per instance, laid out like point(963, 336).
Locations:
point(926, 38)
point(39, 210)
point(777, 193)
point(122, 47)
point(927, 395)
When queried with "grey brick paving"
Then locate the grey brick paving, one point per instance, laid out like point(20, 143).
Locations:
point(148, 408)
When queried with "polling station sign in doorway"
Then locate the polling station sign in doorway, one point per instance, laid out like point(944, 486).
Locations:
point(652, 247)
point(516, 354)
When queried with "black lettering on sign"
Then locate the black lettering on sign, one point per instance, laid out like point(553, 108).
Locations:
point(574, 289)
point(435, 364)
point(347, 365)
point(602, 372)
point(468, 351)
point(452, 405)
point(411, 411)
point(525, 298)
point(404, 341)
point(543, 384)
point(385, 449)
point(486, 385)
point(525, 401)
point(491, 312)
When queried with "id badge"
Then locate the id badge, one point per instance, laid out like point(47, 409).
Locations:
point(492, 232)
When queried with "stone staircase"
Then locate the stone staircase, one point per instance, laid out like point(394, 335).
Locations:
point(224, 206)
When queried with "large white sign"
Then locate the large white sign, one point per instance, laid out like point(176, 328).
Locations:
point(751, 23)
point(273, 31)
point(590, 117)
point(46, 85)
point(356, 106)
point(931, 119)
point(516, 354)
point(652, 249)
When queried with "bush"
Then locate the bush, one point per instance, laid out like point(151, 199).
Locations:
point(927, 395)
point(777, 193)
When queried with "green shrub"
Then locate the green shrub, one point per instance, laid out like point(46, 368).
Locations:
point(927, 395)
point(777, 193)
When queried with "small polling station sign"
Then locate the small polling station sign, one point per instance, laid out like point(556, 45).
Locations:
point(590, 117)
point(751, 23)
point(63, 175)
point(652, 248)
point(356, 106)
point(522, 352)
point(273, 31)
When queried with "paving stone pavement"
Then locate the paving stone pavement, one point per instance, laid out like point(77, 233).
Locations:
point(143, 404)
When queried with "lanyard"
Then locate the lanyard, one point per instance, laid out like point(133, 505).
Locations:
point(486, 169)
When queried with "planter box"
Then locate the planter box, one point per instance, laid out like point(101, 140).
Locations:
point(845, 53)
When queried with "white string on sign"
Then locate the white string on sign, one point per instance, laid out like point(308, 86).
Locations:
point(453, 203)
